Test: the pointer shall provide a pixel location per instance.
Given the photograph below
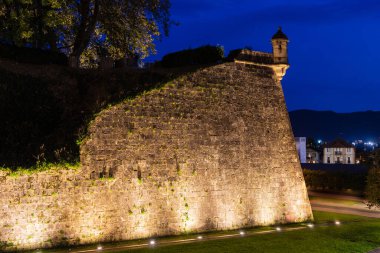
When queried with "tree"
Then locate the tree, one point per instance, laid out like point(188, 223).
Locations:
point(33, 23)
point(373, 182)
point(85, 27)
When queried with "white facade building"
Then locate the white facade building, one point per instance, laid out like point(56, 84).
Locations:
point(339, 151)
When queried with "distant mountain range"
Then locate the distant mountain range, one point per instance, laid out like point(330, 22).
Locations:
point(328, 125)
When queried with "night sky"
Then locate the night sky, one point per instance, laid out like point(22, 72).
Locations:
point(334, 48)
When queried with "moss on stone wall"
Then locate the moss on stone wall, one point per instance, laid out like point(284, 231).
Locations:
point(39, 167)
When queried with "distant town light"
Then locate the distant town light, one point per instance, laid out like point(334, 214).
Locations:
point(242, 233)
point(152, 242)
point(319, 141)
point(99, 247)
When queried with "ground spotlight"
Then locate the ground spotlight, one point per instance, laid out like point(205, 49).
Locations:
point(310, 225)
point(99, 247)
point(242, 233)
point(278, 229)
point(337, 222)
point(152, 242)
point(200, 237)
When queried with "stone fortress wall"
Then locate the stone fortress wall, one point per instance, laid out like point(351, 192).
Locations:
point(211, 150)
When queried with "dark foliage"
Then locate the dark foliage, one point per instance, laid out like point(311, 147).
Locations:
point(43, 118)
point(373, 182)
point(32, 55)
point(198, 56)
point(373, 188)
point(29, 114)
point(335, 181)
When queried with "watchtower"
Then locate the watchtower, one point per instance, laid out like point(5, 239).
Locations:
point(280, 47)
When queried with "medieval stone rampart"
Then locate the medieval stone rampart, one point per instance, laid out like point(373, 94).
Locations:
point(211, 150)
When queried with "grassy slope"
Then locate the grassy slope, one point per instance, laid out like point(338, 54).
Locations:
point(45, 109)
point(359, 235)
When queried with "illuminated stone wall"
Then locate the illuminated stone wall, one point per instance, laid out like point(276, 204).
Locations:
point(211, 150)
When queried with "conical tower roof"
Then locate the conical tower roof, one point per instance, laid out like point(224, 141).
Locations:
point(280, 35)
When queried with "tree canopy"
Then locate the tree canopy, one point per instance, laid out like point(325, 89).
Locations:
point(86, 29)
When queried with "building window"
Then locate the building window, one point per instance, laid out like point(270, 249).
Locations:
point(348, 160)
point(338, 159)
point(328, 160)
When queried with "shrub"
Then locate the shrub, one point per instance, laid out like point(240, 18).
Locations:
point(32, 55)
point(373, 188)
point(335, 180)
point(373, 182)
point(29, 116)
point(202, 55)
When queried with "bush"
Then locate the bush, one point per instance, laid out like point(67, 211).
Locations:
point(335, 180)
point(198, 56)
point(32, 55)
point(373, 188)
point(29, 115)
point(373, 182)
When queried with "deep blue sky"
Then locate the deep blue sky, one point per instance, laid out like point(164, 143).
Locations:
point(334, 48)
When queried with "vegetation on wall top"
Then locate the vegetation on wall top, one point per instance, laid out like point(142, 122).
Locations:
point(198, 56)
point(44, 117)
point(45, 109)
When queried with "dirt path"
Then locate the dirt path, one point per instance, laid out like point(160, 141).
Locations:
point(341, 204)
point(328, 207)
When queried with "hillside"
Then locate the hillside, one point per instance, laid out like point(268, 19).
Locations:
point(328, 125)
point(45, 109)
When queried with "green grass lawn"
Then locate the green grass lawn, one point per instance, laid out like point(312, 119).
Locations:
point(359, 234)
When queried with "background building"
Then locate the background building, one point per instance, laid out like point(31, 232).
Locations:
point(339, 151)
point(301, 148)
point(312, 156)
